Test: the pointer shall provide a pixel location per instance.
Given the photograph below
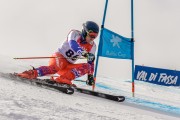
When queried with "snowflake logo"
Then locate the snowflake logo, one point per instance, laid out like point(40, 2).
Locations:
point(115, 40)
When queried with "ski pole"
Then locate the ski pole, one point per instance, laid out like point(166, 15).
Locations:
point(45, 58)
point(34, 57)
point(80, 80)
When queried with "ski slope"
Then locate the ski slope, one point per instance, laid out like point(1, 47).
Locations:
point(20, 101)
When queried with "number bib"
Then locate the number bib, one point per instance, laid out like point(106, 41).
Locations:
point(68, 52)
point(71, 55)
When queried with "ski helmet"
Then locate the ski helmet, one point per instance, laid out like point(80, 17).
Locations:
point(89, 26)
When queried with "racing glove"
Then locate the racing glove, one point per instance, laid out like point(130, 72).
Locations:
point(90, 57)
point(90, 81)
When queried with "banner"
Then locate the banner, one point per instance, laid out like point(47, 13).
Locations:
point(157, 75)
point(114, 45)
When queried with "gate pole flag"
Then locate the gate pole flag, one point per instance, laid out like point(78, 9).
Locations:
point(113, 45)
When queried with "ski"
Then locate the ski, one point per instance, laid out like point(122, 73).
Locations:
point(64, 88)
point(102, 95)
point(60, 87)
point(45, 83)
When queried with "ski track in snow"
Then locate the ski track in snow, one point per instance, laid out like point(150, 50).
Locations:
point(157, 103)
point(20, 101)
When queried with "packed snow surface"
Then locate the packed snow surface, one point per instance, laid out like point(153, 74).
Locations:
point(20, 101)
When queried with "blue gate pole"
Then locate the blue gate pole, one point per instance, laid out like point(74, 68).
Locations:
point(132, 46)
point(100, 43)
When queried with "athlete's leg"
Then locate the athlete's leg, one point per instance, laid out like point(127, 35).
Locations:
point(55, 64)
point(72, 71)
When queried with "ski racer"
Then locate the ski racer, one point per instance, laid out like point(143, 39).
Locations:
point(77, 44)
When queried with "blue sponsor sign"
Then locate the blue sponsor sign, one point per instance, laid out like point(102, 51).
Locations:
point(157, 75)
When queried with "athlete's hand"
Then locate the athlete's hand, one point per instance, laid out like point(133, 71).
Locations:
point(90, 81)
point(90, 57)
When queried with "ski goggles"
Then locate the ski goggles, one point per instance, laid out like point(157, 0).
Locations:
point(92, 34)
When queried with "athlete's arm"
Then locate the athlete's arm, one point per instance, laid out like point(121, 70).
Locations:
point(72, 40)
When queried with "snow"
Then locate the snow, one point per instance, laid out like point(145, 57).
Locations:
point(20, 101)
point(38, 27)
